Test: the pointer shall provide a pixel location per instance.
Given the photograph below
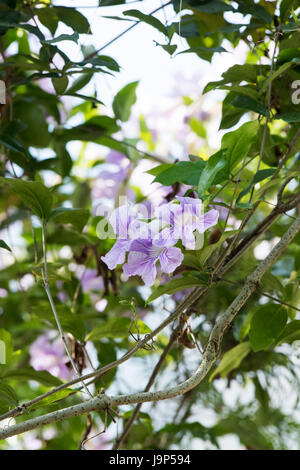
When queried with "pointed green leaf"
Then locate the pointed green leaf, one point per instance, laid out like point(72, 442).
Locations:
point(175, 285)
point(149, 19)
point(231, 360)
point(124, 100)
point(266, 325)
point(34, 194)
point(28, 373)
point(259, 176)
point(238, 142)
point(214, 166)
point(65, 215)
point(8, 394)
point(4, 245)
point(60, 84)
point(116, 328)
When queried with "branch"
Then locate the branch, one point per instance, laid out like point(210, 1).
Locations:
point(210, 355)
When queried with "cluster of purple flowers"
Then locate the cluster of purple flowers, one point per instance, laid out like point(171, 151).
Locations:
point(151, 240)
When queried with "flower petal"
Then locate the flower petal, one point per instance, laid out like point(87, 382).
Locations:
point(170, 259)
point(141, 246)
point(207, 220)
point(141, 264)
point(120, 220)
point(117, 254)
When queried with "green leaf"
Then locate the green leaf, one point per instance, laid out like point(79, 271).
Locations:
point(72, 18)
point(149, 19)
point(14, 127)
point(62, 236)
point(65, 215)
point(157, 170)
point(290, 333)
point(238, 142)
point(32, 114)
point(48, 18)
point(286, 7)
point(245, 102)
point(70, 322)
point(206, 252)
point(215, 164)
point(124, 100)
point(181, 172)
point(289, 117)
point(34, 194)
point(116, 328)
point(175, 285)
point(259, 176)
point(8, 394)
point(198, 127)
point(195, 429)
point(169, 48)
point(101, 61)
point(245, 326)
point(60, 84)
point(213, 7)
point(255, 10)
point(231, 360)
point(266, 325)
point(80, 82)
point(91, 130)
point(105, 3)
point(63, 37)
point(282, 69)
point(4, 245)
point(28, 373)
point(56, 271)
point(230, 116)
point(271, 283)
point(247, 90)
point(237, 74)
point(57, 396)
point(12, 144)
point(5, 337)
point(203, 50)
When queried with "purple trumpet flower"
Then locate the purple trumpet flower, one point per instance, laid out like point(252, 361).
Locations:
point(184, 218)
point(127, 227)
point(144, 255)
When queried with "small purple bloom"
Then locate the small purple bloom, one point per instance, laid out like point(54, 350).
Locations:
point(49, 355)
point(144, 255)
point(90, 280)
point(117, 158)
point(184, 218)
